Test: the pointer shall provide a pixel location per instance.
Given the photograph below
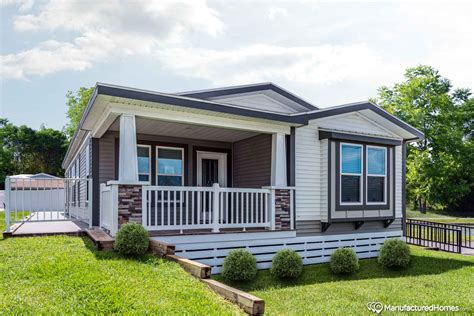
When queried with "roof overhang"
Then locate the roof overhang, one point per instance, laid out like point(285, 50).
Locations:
point(98, 111)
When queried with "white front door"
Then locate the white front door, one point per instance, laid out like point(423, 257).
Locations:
point(211, 168)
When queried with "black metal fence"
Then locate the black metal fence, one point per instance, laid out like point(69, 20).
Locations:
point(467, 232)
point(445, 237)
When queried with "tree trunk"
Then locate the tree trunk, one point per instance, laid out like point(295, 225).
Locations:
point(423, 207)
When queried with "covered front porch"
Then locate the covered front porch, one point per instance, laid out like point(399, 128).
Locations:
point(193, 174)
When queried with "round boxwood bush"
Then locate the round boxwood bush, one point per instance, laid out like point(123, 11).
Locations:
point(131, 240)
point(286, 264)
point(394, 253)
point(344, 261)
point(239, 265)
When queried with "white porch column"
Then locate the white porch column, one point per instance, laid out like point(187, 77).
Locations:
point(278, 160)
point(128, 165)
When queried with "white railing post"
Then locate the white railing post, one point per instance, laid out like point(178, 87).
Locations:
point(89, 201)
point(271, 208)
point(145, 210)
point(215, 207)
point(102, 210)
point(7, 203)
point(114, 208)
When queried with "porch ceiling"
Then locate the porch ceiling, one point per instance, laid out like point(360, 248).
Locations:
point(165, 128)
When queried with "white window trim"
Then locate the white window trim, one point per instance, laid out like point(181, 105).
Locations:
point(165, 174)
point(367, 175)
point(361, 175)
point(222, 164)
point(149, 163)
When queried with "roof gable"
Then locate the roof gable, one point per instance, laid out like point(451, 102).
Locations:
point(256, 96)
point(354, 122)
point(373, 113)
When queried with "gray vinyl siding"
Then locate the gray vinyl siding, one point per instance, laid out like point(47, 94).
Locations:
point(191, 144)
point(84, 170)
point(83, 163)
point(106, 158)
point(308, 228)
point(252, 161)
point(251, 157)
point(108, 155)
point(311, 228)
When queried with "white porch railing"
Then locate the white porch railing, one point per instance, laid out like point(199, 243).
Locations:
point(42, 200)
point(109, 208)
point(179, 208)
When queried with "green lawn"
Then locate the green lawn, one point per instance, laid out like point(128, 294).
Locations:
point(432, 278)
point(65, 275)
point(435, 217)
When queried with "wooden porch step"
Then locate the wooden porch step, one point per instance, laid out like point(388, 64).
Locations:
point(101, 239)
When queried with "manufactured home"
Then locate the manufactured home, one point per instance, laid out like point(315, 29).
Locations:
point(252, 166)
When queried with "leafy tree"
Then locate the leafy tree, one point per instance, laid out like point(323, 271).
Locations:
point(76, 103)
point(440, 169)
point(24, 150)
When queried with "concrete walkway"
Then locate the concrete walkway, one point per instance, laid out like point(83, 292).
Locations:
point(467, 251)
point(48, 228)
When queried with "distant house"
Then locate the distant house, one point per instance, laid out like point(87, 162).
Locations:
point(28, 191)
point(250, 166)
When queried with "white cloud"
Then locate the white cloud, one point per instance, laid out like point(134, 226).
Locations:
point(274, 12)
point(107, 29)
point(324, 64)
point(320, 43)
point(23, 5)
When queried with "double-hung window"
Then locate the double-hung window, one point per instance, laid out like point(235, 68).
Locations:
point(169, 166)
point(376, 175)
point(144, 162)
point(351, 174)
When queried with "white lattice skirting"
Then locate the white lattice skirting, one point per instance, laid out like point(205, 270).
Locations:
point(212, 249)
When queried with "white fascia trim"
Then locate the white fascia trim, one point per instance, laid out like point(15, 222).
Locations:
point(199, 119)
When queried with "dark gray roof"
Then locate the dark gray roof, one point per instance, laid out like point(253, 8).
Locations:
point(188, 99)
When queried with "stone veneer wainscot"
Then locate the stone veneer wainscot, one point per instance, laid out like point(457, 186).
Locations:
point(129, 204)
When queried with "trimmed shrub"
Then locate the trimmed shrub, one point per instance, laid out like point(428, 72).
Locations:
point(286, 264)
point(394, 253)
point(131, 240)
point(344, 261)
point(239, 265)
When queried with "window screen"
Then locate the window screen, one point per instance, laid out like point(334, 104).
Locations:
point(351, 173)
point(376, 174)
point(170, 166)
point(143, 153)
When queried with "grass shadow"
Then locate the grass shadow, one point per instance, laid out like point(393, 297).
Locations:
point(369, 269)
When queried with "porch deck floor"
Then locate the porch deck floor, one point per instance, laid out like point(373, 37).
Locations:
point(48, 228)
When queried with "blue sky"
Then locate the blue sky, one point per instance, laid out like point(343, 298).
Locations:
point(326, 52)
